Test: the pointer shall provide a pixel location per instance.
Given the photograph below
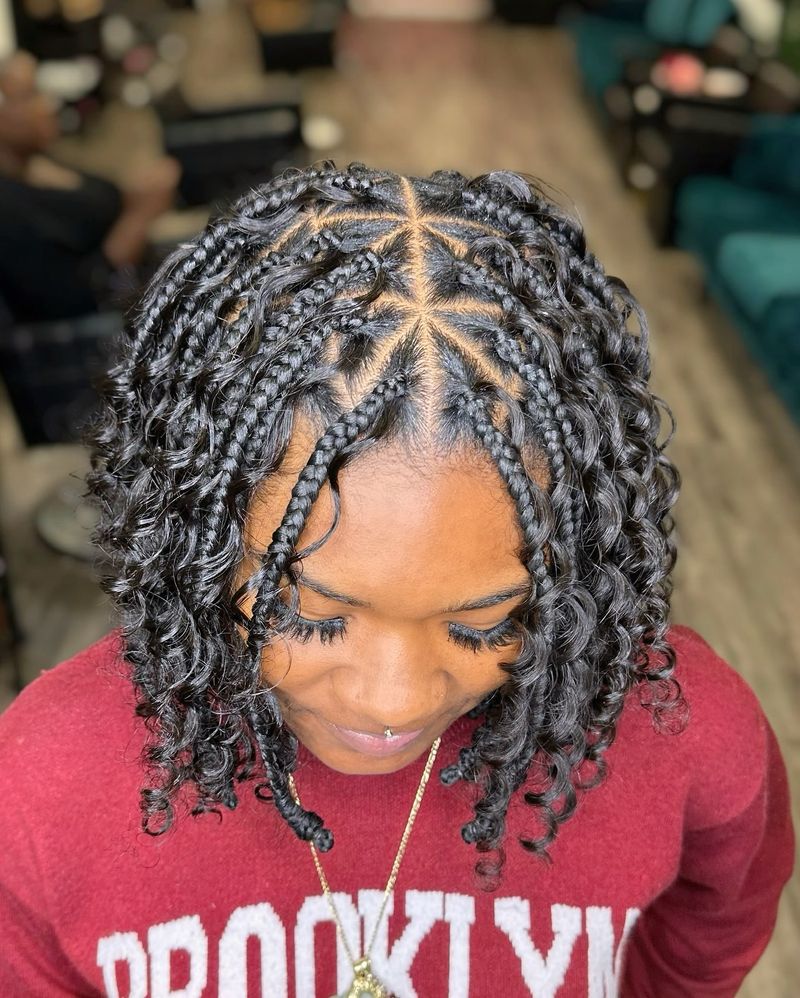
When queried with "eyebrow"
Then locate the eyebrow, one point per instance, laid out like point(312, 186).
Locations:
point(479, 603)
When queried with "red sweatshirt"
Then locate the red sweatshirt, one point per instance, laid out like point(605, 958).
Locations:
point(664, 883)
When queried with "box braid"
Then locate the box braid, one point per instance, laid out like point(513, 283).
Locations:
point(437, 311)
point(221, 243)
point(209, 337)
point(543, 401)
point(579, 285)
point(304, 330)
point(279, 557)
point(514, 739)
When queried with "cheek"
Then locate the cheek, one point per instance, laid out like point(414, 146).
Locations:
point(285, 665)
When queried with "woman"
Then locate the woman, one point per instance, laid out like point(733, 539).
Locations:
point(382, 497)
point(85, 233)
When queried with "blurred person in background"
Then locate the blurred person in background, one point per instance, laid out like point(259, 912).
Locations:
point(80, 230)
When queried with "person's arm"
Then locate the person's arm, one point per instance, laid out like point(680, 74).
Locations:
point(701, 937)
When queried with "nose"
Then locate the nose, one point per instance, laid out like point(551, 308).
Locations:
point(394, 685)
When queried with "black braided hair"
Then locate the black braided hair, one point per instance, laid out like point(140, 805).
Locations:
point(442, 310)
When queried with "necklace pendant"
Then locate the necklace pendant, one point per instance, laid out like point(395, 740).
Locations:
point(365, 983)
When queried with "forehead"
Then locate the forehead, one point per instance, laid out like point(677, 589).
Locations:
point(413, 529)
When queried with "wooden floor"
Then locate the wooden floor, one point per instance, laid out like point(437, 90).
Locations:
point(418, 99)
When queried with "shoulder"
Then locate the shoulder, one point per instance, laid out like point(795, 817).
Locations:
point(81, 707)
point(69, 775)
point(724, 711)
point(722, 748)
point(716, 693)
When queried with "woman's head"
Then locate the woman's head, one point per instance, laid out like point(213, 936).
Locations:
point(402, 613)
point(416, 392)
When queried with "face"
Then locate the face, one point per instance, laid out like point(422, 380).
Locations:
point(403, 611)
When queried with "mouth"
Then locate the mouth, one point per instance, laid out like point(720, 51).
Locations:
point(374, 745)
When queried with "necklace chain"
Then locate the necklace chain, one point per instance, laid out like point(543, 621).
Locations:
point(395, 866)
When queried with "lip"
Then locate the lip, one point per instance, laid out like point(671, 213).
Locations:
point(374, 745)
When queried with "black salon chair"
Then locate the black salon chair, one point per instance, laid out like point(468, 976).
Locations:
point(48, 370)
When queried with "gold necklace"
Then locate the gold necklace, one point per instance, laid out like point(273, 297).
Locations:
point(365, 984)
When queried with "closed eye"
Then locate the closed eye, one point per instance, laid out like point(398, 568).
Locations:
point(332, 628)
point(495, 637)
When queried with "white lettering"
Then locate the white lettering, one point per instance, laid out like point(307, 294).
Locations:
point(313, 911)
point(163, 940)
point(605, 966)
point(262, 922)
point(543, 975)
point(123, 947)
point(423, 910)
point(459, 913)
point(181, 947)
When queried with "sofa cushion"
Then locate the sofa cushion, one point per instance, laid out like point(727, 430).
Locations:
point(602, 47)
point(759, 270)
point(707, 209)
point(684, 22)
point(770, 154)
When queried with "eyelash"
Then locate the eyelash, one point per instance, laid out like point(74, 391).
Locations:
point(303, 630)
